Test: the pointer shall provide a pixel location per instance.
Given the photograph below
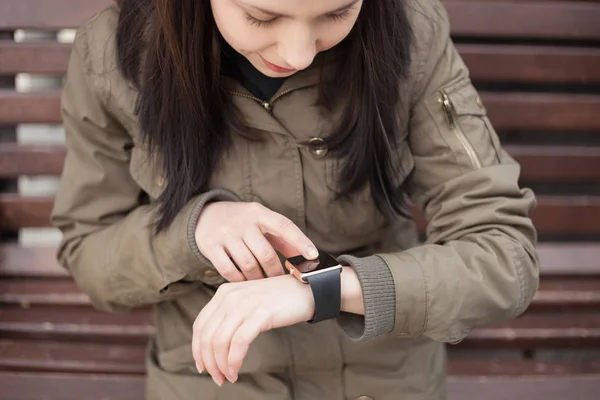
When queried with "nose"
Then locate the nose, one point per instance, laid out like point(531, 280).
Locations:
point(298, 48)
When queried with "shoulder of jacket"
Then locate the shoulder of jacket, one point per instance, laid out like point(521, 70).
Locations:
point(95, 40)
point(431, 32)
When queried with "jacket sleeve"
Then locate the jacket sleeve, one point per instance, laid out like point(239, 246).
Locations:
point(479, 264)
point(108, 242)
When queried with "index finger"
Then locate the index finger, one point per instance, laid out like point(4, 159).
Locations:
point(284, 229)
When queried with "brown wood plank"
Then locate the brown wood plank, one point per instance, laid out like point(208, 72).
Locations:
point(508, 111)
point(54, 386)
point(576, 387)
point(492, 367)
point(16, 160)
point(75, 324)
point(543, 111)
point(29, 386)
point(560, 164)
point(524, 19)
point(33, 58)
point(55, 292)
point(71, 357)
point(38, 107)
point(23, 262)
point(567, 215)
point(532, 330)
point(531, 64)
point(569, 259)
point(44, 14)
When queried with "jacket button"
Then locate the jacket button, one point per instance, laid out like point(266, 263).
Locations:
point(317, 147)
point(364, 398)
point(210, 273)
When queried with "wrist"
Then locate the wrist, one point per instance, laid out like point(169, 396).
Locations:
point(352, 296)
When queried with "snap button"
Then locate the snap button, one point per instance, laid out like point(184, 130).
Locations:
point(210, 273)
point(364, 398)
point(479, 102)
point(317, 147)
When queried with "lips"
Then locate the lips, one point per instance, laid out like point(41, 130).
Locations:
point(276, 68)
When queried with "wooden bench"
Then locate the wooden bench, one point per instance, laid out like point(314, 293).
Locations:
point(537, 65)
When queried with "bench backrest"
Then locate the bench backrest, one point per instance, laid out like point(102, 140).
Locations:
point(537, 66)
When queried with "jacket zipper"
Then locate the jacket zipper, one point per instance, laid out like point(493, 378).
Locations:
point(450, 113)
point(267, 105)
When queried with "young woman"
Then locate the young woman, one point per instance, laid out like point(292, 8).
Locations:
point(209, 140)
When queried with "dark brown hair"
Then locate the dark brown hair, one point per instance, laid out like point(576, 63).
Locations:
point(169, 49)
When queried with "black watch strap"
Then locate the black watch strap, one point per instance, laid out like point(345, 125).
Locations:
point(327, 291)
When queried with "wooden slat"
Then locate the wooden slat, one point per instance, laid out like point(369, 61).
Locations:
point(569, 259)
point(543, 111)
point(524, 19)
point(17, 160)
point(568, 215)
point(508, 111)
point(552, 330)
point(22, 262)
point(557, 164)
point(44, 356)
point(531, 64)
point(29, 386)
point(75, 324)
point(54, 386)
point(44, 14)
point(576, 387)
point(71, 357)
point(33, 58)
point(38, 107)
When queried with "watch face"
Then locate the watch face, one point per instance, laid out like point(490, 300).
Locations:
point(305, 266)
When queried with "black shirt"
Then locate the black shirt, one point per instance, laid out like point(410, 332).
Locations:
point(239, 68)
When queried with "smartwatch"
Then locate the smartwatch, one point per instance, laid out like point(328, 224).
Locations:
point(323, 276)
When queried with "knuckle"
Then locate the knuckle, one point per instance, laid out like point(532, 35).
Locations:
point(270, 257)
point(255, 206)
point(248, 264)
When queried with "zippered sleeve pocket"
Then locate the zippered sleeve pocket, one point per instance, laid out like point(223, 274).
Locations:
point(450, 135)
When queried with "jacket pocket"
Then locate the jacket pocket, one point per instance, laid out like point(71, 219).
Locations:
point(466, 117)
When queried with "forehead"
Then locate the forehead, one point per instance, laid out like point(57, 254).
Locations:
point(297, 8)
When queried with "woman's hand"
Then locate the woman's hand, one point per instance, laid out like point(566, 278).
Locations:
point(248, 234)
point(238, 313)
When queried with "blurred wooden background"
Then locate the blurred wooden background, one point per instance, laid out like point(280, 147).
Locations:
point(537, 66)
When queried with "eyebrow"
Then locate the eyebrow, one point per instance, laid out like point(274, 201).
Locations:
point(276, 14)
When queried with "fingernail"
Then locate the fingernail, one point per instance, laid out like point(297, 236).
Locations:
point(217, 382)
point(312, 252)
point(232, 376)
point(200, 370)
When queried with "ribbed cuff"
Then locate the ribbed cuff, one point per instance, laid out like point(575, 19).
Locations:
point(204, 199)
point(379, 294)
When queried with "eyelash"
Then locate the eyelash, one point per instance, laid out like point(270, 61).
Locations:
point(260, 23)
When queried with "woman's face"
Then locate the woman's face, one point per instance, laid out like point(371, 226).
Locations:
point(281, 37)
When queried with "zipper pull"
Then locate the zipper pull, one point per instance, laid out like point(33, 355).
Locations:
point(267, 106)
point(448, 108)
